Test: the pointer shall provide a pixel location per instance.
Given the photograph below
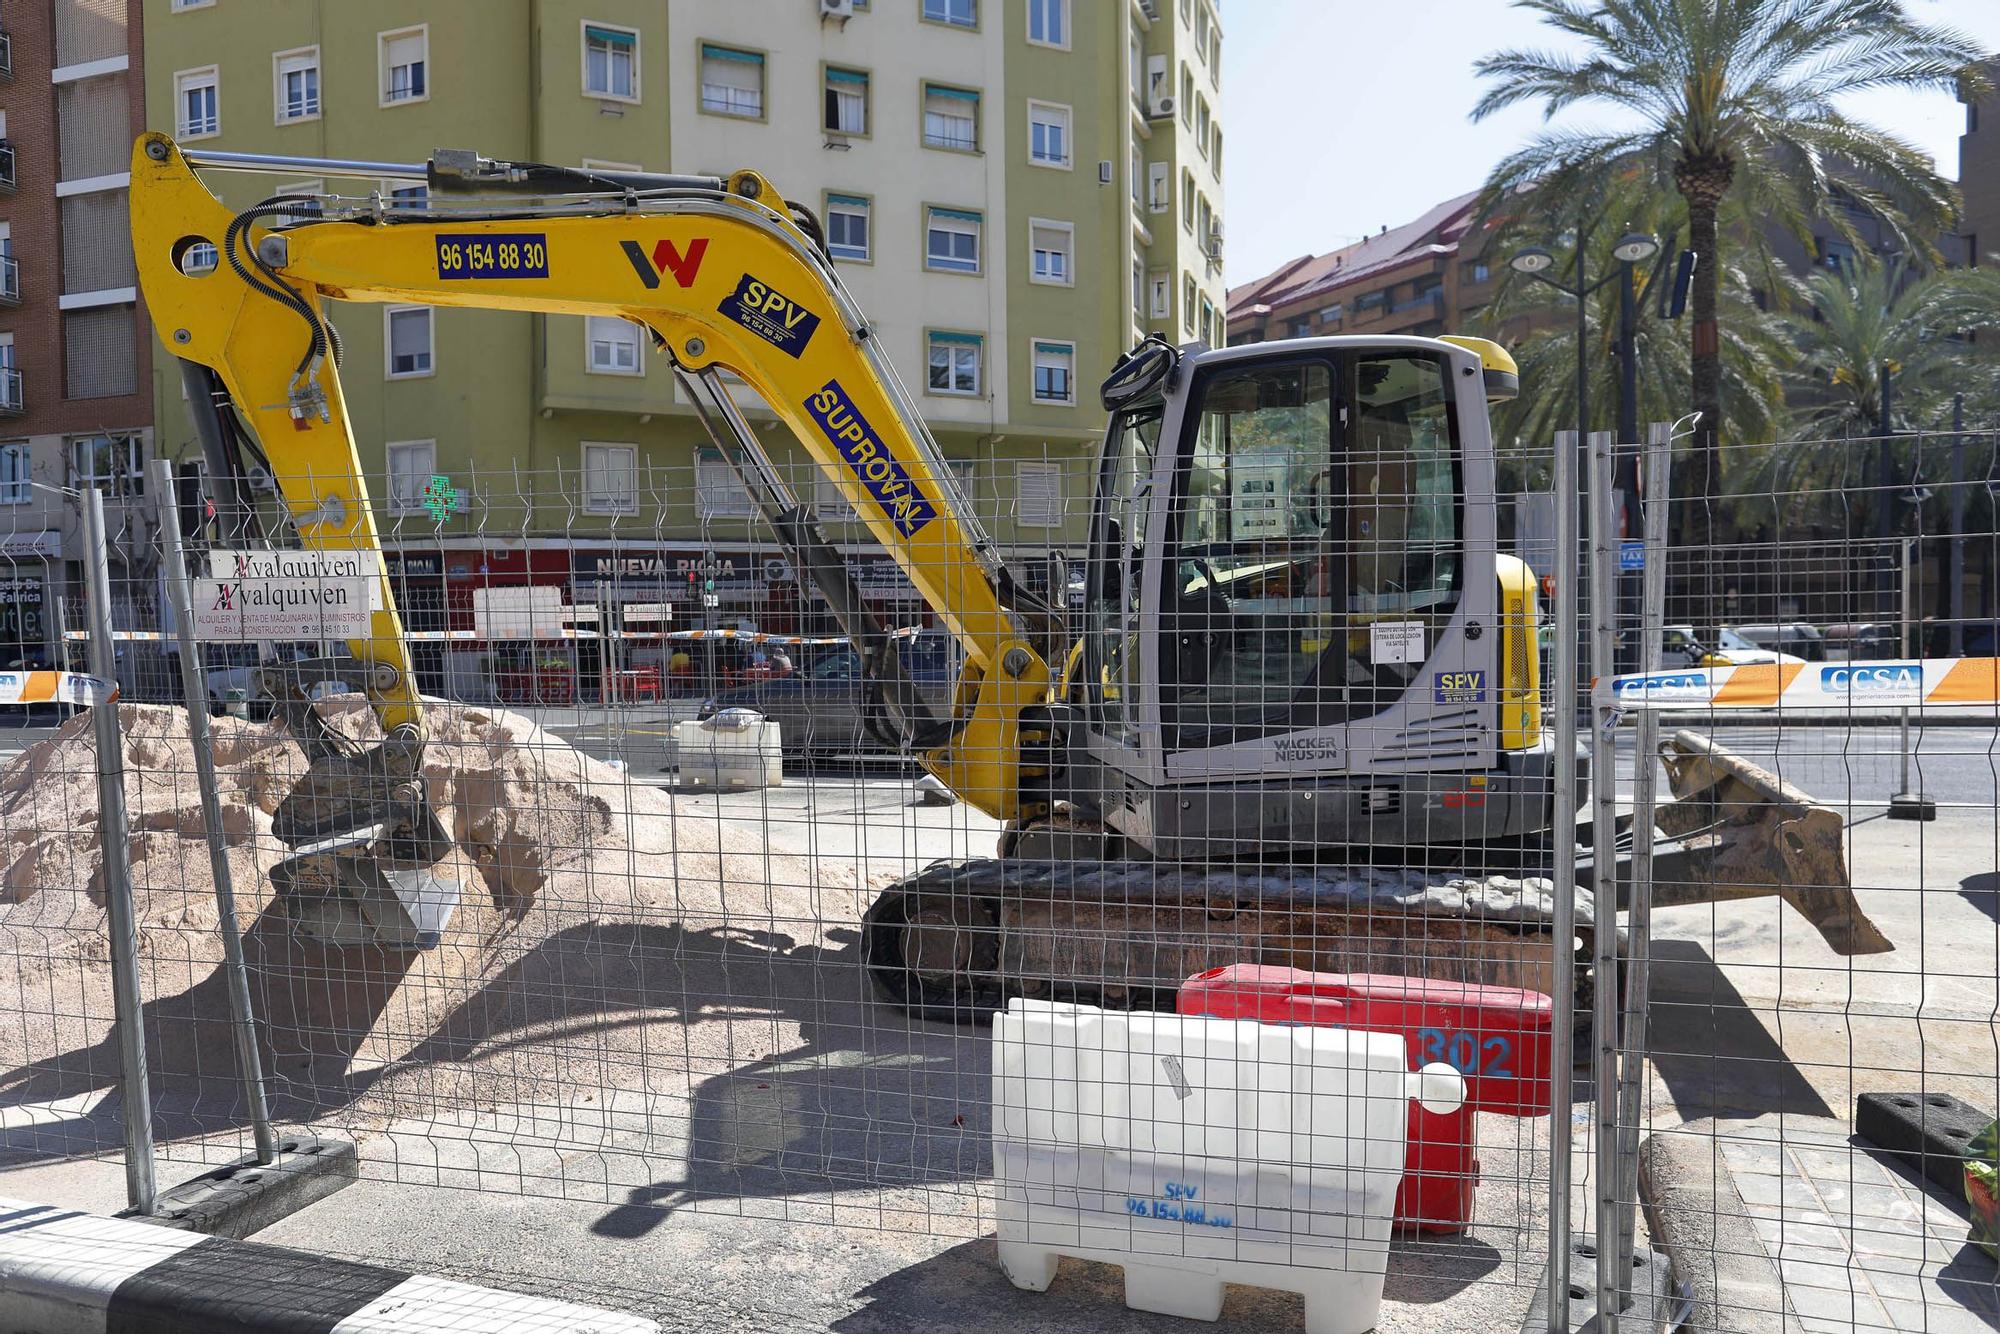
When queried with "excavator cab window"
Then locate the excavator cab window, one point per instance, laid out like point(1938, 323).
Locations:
point(1315, 497)
point(1116, 577)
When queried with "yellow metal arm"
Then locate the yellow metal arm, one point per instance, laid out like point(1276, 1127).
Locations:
point(724, 280)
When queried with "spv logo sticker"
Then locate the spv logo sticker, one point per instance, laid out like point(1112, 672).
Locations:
point(775, 318)
point(1875, 680)
point(1468, 687)
point(667, 258)
point(869, 460)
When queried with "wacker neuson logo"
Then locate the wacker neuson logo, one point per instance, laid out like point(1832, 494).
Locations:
point(869, 459)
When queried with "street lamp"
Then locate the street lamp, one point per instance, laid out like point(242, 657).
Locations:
point(1632, 250)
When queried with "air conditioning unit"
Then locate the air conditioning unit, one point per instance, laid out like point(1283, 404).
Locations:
point(836, 9)
point(1214, 247)
point(1162, 109)
point(1151, 9)
point(1104, 176)
point(260, 480)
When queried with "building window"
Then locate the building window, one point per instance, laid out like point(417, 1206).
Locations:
point(954, 362)
point(1158, 186)
point(199, 258)
point(610, 62)
point(1201, 125)
point(197, 107)
point(951, 240)
point(1187, 96)
point(614, 345)
point(1187, 302)
point(1048, 22)
point(1201, 31)
point(409, 340)
point(1475, 271)
point(1051, 252)
point(1208, 321)
point(414, 198)
point(1205, 217)
point(1138, 289)
point(1055, 372)
point(412, 464)
point(1048, 134)
point(1138, 53)
point(846, 101)
point(1215, 152)
point(611, 479)
point(297, 91)
point(178, 5)
point(406, 62)
point(848, 227)
point(951, 118)
point(1136, 174)
point(718, 490)
point(1330, 314)
point(958, 13)
point(732, 82)
point(1038, 495)
point(1162, 296)
point(115, 464)
point(16, 471)
point(1187, 199)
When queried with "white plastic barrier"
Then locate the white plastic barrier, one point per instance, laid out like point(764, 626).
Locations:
point(736, 750)
point(1196, 1152)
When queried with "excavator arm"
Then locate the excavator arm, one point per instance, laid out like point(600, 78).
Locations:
point(728, 277)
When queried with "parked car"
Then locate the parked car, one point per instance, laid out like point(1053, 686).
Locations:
point(1793, 637)
point(1680, 647)
point(818, 708)
point(1861, 641)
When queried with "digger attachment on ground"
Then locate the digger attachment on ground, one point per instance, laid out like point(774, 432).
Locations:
point(1741, 832)
point(363, 836)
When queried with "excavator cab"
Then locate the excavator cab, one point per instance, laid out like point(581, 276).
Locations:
point(1298, 630)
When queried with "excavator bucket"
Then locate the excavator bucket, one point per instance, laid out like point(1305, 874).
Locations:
point(1741, 832)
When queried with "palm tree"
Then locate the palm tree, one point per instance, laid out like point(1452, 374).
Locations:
point(1733, 98)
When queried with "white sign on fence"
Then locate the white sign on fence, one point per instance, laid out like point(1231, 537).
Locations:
point(292, 563)
point(294, 608)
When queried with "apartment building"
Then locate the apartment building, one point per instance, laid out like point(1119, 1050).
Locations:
point(76, 402)
point(1979, 175)
point(980, 167)
point(1427, 277)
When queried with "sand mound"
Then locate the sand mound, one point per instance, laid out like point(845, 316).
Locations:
point(550, 843)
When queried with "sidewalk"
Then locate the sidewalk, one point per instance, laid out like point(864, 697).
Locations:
point(1855, 1244)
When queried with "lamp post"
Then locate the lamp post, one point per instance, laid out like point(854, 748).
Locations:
point(1632, 250)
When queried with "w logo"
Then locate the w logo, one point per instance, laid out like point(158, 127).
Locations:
point(666, 258)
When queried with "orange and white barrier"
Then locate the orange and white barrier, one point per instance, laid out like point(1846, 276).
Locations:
point(1896, 683)
point(55, 688)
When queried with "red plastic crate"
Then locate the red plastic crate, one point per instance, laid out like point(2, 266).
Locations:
point(1497, 1037)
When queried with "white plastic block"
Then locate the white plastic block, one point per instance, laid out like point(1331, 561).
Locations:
point(739, 757)
point(1197, 1152)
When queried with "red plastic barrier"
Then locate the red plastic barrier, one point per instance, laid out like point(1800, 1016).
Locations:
point(1497, 1037)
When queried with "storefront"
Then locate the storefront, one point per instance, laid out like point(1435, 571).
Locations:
point(27, 633)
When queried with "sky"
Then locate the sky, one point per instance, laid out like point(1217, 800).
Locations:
point(1376, 93)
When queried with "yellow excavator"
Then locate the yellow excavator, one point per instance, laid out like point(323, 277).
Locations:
point(1298, 718)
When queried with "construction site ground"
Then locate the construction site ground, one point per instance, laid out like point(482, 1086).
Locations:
point(851, 1191)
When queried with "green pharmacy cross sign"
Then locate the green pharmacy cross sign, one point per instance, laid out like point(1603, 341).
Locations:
point(441, 498)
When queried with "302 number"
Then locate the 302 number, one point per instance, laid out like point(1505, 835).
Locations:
point(1468, 1053)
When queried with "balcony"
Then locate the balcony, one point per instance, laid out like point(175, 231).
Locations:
point(1430, 302)
point(6, 166)
point(12, 401)
point(10, 281)
point(6, 55)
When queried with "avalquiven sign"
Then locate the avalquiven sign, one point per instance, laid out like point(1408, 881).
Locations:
point(312, 607)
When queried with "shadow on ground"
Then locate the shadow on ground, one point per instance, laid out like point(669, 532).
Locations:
point(1710, 1049)
point(763, 1067)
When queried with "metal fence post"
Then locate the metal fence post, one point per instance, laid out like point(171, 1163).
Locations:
point(1562, 1059)
point(1603, 555)
point(243, 1022)
point(1645, 789)
point(114, 841)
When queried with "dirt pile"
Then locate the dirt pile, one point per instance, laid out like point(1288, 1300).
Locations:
point(549, 842)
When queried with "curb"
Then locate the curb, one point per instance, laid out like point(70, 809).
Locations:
point(1919, 719)
point(64, 1272)
point(247, 1196)
point(1698, 1217)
